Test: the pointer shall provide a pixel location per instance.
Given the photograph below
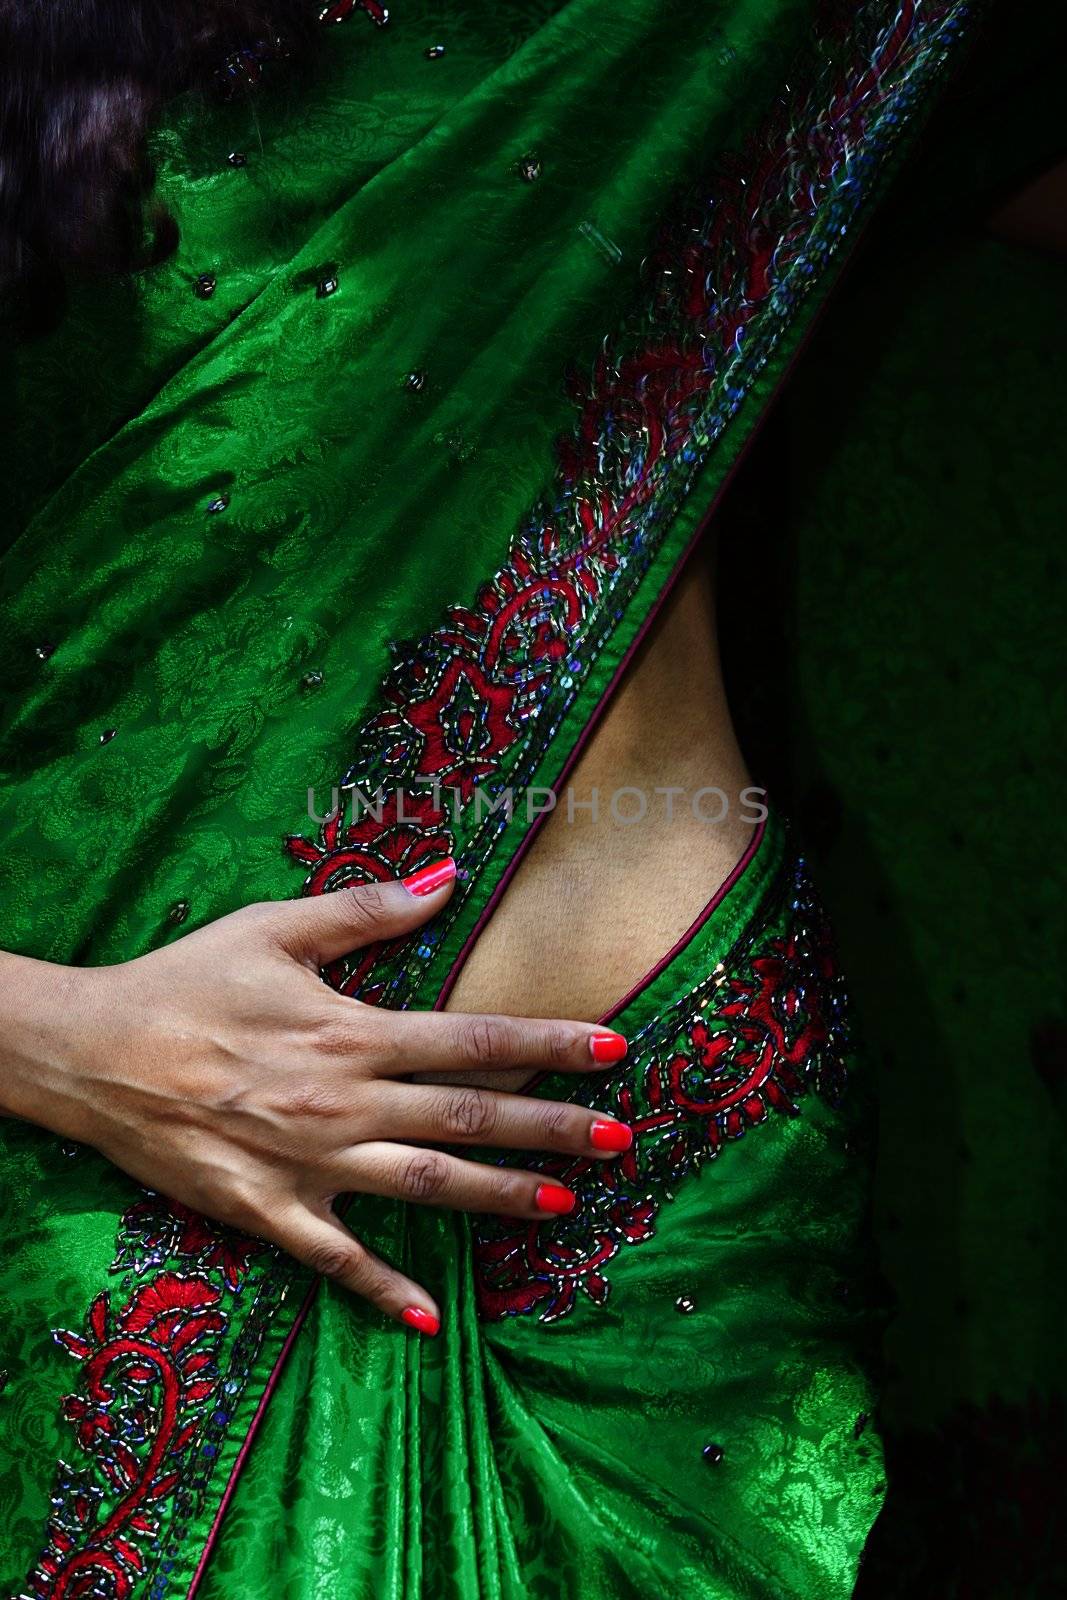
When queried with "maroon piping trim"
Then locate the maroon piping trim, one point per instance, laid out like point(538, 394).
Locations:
point(494, 899)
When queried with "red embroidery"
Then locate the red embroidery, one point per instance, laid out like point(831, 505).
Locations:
point(162, 1228)
point(462, 723)
point(341, 10)
point(390, 841)
point(149, 1381)
point(774, 1027)
point(479, 700)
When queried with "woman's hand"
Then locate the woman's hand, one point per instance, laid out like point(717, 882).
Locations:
point(222, 1072)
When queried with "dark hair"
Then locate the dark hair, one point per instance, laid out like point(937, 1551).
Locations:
point(81, 83)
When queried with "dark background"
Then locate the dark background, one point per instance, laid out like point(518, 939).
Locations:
point(892, 601)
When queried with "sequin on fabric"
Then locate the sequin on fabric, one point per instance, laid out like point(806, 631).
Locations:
point(163, 1360)
point(476, 703)
point(764, 1028)
point(164, 1357)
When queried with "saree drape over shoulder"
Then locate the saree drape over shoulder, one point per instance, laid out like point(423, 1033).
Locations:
point(371, 491)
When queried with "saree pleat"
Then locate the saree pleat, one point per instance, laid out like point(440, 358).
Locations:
point(538, 1469)
point(277, 549)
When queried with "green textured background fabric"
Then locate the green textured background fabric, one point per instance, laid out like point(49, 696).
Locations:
point(567, 1458)
point(191, 635)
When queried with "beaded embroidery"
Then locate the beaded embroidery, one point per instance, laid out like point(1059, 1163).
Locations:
point(479, 700)
point(162, 1367)
point(753, 1037)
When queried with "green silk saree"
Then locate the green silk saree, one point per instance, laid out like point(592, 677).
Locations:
point(374, 487)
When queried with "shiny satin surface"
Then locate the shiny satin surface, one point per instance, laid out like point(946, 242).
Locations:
point(234, 511)
point(517, 1457)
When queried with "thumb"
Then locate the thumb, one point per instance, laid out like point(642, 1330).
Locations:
point(326, 927)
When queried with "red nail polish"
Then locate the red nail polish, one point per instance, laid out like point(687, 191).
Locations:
point(424, 1321)
point(554, 1197)
point(612, 1136)
point(431, 877)
point(605, 1047)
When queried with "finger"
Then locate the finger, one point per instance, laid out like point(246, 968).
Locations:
point(435, 1178)
point(431, 1041)
point(472, 1115)
point(322, 928)
point(323, 1243)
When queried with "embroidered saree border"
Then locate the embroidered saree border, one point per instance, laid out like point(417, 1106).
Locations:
point(176, 1360)
point(473, 708)
point(753, 1035)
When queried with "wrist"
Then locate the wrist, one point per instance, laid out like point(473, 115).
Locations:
point(43, 1007)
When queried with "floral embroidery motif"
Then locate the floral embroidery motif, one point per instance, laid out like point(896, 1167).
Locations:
point(479, 700)
point(463, 722)
point(154, 1228)
point(155, 1352)
point(405, 833)
point(758, 1034)
point(153, 1394)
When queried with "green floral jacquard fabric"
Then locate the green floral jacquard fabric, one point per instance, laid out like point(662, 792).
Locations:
point(289, 512)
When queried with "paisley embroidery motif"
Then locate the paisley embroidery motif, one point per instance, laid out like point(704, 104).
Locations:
point(160, 1372)
point(766, 1027)
point(479, 700)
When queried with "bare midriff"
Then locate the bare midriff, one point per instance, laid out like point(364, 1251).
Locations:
point(599, 898)
point(595, 902)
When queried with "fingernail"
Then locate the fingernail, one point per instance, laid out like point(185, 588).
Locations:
point(604, 1047)
point(431, 877)
point(554, 1197)
point(424, 1321)
point(611, 1136)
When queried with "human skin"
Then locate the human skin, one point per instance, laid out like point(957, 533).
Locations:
point(222, 1071)
point(596, 902)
